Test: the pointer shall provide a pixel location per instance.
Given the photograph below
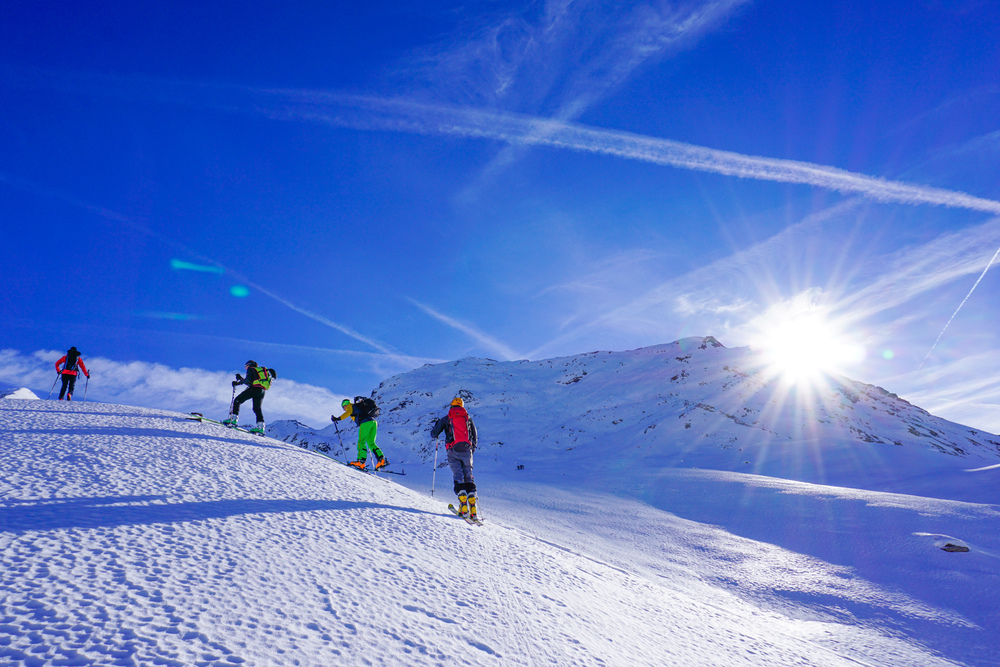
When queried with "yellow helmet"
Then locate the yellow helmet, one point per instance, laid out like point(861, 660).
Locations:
point(458, 401)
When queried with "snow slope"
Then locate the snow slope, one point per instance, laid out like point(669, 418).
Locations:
point(131, 536)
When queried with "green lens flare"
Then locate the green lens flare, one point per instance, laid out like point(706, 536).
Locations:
point(239, 291)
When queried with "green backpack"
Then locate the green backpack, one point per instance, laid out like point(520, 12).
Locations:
point(264, 377)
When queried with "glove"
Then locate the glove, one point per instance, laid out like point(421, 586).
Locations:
point(239, 378)
point(88, 376)
point(235, 383)
point(333, 418)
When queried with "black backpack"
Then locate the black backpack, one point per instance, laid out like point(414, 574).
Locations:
point(365, 407)
point(72, 356)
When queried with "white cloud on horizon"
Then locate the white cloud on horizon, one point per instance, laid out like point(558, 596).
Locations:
point(154, 385)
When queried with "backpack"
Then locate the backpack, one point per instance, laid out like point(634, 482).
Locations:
point(72, 356)
point(264, 377)
point(365, 407)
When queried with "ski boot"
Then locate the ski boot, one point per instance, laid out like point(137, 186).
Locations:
point(359, 464)
point(231, 422)
point(463, 504)
point(473, 512)
point(259, 429)
point(382, 462)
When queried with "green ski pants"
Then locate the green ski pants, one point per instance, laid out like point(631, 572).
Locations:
point(366, 440)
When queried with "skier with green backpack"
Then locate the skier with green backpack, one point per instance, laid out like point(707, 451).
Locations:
point(258, 381)
point(363, 411)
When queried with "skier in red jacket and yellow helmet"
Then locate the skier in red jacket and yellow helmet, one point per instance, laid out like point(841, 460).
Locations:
point(461, 439)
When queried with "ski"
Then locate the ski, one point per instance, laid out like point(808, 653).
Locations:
point(468, 519)
point(366, 470)
point(198, 417)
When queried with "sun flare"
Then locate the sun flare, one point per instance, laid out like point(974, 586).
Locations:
point(801, 345)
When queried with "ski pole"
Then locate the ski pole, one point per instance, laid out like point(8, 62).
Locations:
point(232, 400)
point(53, 387)
point(85, 388)
point(434, 474)
point(336, 425)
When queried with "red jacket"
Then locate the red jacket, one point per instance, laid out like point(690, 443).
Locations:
point(71, 371)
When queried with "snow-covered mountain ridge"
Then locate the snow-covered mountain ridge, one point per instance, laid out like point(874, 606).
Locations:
point(690, 403)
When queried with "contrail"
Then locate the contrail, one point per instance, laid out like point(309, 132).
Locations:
point(476, 334)
point(403, 115)
point(373, 113)
point(948, 323)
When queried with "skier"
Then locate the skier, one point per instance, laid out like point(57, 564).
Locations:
point(258, 380)
point(460, 442)
point(71, 362)
point(361, 412)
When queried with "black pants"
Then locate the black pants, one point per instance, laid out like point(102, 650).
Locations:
point(257, 394)
point(69, 381)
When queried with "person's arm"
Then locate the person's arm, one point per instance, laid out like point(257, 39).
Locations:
point(83, 367)
point(61, 360)
point(438, 427)
point(473, 435)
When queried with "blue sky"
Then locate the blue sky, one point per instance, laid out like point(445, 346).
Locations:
point(345, 192)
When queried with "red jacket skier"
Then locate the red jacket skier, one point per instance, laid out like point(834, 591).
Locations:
point(461, 439)
point(71, 363)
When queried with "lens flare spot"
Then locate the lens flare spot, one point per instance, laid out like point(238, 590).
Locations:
point(888, 355)
point(239, 291)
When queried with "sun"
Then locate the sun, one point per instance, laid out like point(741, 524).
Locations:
point(801, 343)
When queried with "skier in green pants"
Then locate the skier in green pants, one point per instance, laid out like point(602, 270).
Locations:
point(363, 411)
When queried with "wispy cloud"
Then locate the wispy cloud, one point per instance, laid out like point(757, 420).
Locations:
point(556, 59)
point(158, 386)
point(484, 339)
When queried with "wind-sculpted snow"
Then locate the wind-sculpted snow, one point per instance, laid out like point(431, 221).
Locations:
point(131, 537)
point(688, 404)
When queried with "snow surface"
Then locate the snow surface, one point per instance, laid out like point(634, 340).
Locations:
point(132, 536)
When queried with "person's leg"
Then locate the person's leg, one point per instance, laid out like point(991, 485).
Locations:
point(234, 411)
point(366, 440)
point(242, 398)
point(70, 387)
point(258, 399)
point(65, 383)
point(458, 475)
point(372, 447)
point(470, 484)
